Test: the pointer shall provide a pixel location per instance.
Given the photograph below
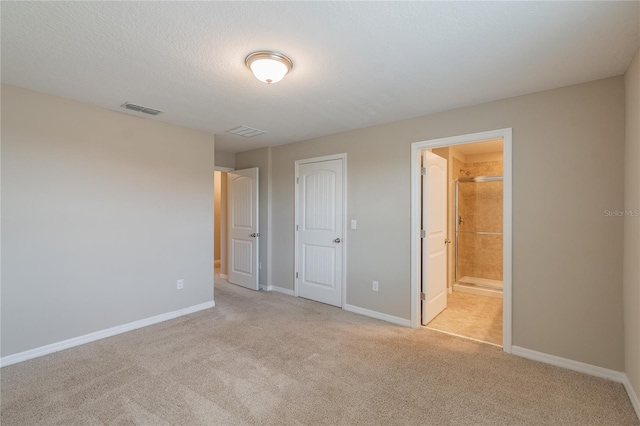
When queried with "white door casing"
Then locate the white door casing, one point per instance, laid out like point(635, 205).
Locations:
point(242, 220)
point(506, 135)
point(434, 224)
point(320, 231)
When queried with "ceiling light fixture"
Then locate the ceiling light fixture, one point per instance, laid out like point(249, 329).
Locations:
point(269, 67)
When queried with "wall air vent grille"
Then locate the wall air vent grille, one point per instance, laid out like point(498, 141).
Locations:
point(245, 131)
point(140, 108)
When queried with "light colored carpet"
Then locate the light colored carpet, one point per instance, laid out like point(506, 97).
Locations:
point(267, 358)
point(471, 315)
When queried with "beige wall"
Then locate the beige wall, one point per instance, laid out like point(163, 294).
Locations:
point(567, 257)
point(632, 226)
point(101, 213)
point(225, 159)
point(260, 158)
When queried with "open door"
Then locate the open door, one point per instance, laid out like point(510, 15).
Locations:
point(242, 220)
point(434, 236)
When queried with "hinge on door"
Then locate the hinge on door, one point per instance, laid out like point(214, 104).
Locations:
point(297, 180)
point(423, 233)
point(423, 171)
point(423, 296)
point(296, 227)
point(296, 275)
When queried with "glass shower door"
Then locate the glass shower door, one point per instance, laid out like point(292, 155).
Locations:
point(479, 208)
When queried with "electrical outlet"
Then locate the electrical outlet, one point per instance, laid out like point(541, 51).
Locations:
point(354, 224)
point(375, 286)
point(180, 284)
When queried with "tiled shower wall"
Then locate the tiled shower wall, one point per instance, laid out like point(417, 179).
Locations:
point(480, 206)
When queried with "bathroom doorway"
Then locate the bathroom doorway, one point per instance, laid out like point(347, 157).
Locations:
point(478, 237)
point(475, 285)
point(220, 222)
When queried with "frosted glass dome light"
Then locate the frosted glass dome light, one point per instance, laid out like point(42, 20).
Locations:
point(269, 67)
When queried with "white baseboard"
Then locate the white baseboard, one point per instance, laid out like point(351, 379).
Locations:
point(378, 315)
point(277, 289)
point(281, 290)
point(633, 396)
point(593, 370)
point(91, 337)
point(569, 364)
point(350, 308)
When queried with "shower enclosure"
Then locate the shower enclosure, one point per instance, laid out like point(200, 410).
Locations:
point(478, 235)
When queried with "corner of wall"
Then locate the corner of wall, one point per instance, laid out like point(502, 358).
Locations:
point(631, 253)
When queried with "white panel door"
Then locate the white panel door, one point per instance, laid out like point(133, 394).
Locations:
point(320, 228)
point(434, 247)
point(242, 220)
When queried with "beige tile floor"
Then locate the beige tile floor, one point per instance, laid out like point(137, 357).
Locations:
point(471, 315)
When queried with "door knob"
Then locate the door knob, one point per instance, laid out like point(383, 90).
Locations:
point(447, 241)
point(337, 240)
point(255, 234)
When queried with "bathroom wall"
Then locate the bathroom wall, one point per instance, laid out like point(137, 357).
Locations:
point(479, 168)
point(457, 160)
point(480, 206)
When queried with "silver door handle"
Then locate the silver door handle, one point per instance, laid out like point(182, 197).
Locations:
point(337, 240)
point(447, 241)
point(255, 234)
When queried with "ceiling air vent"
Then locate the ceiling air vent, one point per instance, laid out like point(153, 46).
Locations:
point(140, 108)
point(245, 131)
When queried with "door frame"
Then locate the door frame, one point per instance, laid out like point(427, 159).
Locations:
point(297, 163)
point(507, 224)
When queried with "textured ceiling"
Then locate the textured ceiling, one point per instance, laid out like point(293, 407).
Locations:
point(356, 64)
